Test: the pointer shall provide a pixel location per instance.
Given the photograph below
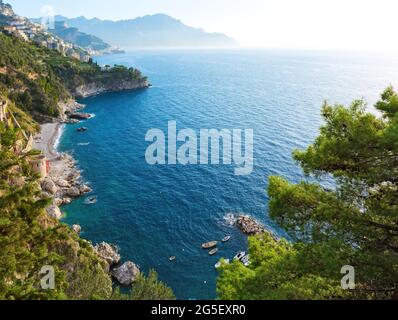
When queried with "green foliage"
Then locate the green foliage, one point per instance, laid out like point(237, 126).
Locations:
point(30, 239)
point(33, 80)
point(36, 79)
point(281, 271)
point(356, 224)
point(27, 79)
point(146, 288)
point(149, 288)
point(75, 73)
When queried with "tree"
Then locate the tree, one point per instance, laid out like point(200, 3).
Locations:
point(30, 239)
point(150, 288)
point(146, 288)
point(355, 224)
point(23, 249)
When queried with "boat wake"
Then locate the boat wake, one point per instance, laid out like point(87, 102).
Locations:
point(229, 220)
point(91, 200)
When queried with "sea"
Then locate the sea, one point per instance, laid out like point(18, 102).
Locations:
point(153, 212)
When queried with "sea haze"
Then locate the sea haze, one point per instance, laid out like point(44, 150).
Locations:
point(154, 212)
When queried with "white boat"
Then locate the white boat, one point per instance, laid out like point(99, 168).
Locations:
point(91, 200)
point(213, 252)
point(226, 239)
point(240, 255)
point(246, 260)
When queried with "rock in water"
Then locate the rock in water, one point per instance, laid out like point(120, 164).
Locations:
point(66, 201)
point(80, 116)
point(108, 252)
point(73, 192)
point(126, 274)
point(85, 189)
point(249, 226)
point(54, 212)
point(76, 228)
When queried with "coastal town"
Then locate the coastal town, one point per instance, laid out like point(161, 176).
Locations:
point(28, 31)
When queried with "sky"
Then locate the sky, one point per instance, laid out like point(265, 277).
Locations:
point(360, 25)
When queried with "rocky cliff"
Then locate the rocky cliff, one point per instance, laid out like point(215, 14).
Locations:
point(95, 88)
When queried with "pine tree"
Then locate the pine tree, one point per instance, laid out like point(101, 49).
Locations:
point(356, 224)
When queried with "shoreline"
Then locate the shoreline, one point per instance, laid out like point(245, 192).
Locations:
point(48, 139)
point(63, 182)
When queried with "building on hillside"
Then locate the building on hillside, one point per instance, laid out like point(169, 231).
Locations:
point(19, 24)
point(10, 29)
point(40, 165)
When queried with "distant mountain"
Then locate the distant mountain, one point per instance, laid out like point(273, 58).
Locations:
point(151, 31)
point(84, 40)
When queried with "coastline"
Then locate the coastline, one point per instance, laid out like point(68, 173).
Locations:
point(48, 139)
point(63, 182)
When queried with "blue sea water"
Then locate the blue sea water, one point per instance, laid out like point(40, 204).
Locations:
point(154, 212)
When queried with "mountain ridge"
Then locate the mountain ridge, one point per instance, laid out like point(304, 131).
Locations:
point(149, 31)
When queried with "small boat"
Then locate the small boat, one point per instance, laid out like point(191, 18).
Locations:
point(246, 260)
point(226, 239)
point(240, 256)
point(91, 200)
point(209, 245)
point(173, 258)
point(220, 263)
point(213, 252)
point(82, 129)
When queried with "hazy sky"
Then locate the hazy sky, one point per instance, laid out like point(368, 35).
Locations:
point(307, 24)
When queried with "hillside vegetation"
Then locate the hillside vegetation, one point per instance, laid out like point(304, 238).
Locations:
point(33, 81)
point(355, 225)
point(36, 79)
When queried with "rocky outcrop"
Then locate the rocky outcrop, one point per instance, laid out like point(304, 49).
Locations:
point(69, 106)
point(126, 274)
point(76, 228)
point(49, 186)
point(83, 188)
point(80, 116)
point(249, 226)
point(54, 212)
point(6, 9)
point(63, 183)
point(108, 252)
point(92, 89)
point(73, 192)
point(58, 202)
